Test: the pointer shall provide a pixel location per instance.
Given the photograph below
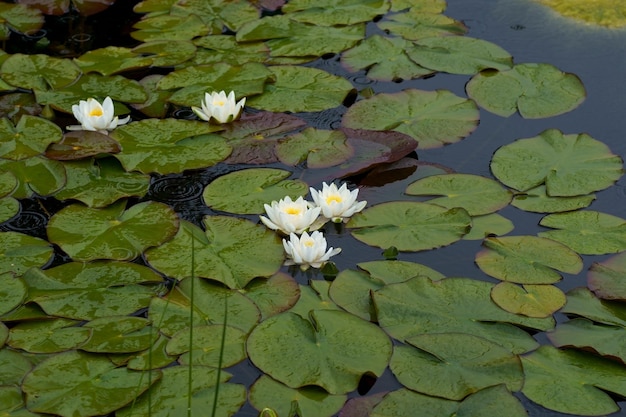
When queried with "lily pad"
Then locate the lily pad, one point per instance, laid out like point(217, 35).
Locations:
point(582, 302)
point(19, 252)
point(225, 48)
point(12, 293)
point(111, 60)
point(35, 175)
point(168, 146)
point(420, 23)
point(112, 232)
point(166, 53)
point(311, 400)
point(30, 137)
point(432, 118)
point(169, 27)
point(231, 250)
point(332, 350)
point(301, 89)
point(478, 195)
point(459, 55)
point(608, 341)
point(572, 382)
point(489, 225)
point(96, 389)
point(530, 300)
point(15, 105)
point(404, 402)
point(568, 165)
point(9, 207)
point(273, 295)
point(606, 278)
point(20, 18)
point(538, 201)
point(206, 346)
point(314, 296)
point(452, 305)
point(587, 232)
point(319, 148)
point(454, 365)
point(255, 187)
point(48, 336)
point(82, 144)
point(216, 14)
point(527, 259)
point(118, 334)
point(101, 182)
point(334, 13)
point(13, 367)
point(535, 90)
point(38, 71)
point(409, 226)
point(384, 59)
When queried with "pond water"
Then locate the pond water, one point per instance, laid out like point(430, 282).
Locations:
point(531, 34)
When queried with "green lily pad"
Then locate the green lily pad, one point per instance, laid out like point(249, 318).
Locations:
point(311, 400)
point(572, 382)
point(530, 300)
point(418, 23)
point(9, 207)
point(169, 145)
point(527, 259)
point(38, 71)
point(478, 195)
point(332, 350)
point(216, 14)
point(319, 148)
point(100, 182)
point(82, 384)
point(156, 105)
point(587, 232)
point(225, 48)
point(12, 293)
point(384, 59)
point(334, 13)
point(112, 232)
point(492, 401)
point(273, 295)
point(152, 358)
point(255, 187)
point(606, 278)
point(13, 367)
point(118, 334)
point(20, 18)
point(170, 395)
point(166, 53)
point(207, 344)
point(211, 302)
point(409, 226)
point(314, 296)
point(352, 289)
point(231, 250)
point(301, 89)
point(535, 90)
point(287, 37)
point(404, 402)
point(169, 28)
point(569, 165)
point(12, 403)
point(111, 60)
point(48, 336)
point(459, 55)
point(452, 305)
point(19, 252)
point(454, 365)
point(30, 137)
point(432, 118)
point(489, 225)
point(582, 302)
point(96, 289)
point(608, 341)
point(16, 105)
point(82, 144)
point(35, 175)
point(538, 201)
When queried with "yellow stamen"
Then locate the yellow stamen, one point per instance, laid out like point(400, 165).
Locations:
point(309, 243)
point(95, 112)
point(333, 198)
point(292, 210)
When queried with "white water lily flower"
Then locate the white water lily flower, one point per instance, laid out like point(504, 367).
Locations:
point(290, 216)
point(337, 204)
point(95, 116)
point(219, 107)
point(308, 250)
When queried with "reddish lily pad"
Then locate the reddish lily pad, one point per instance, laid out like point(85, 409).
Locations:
point(319, 148)
point(607, 279)
point(82, 144)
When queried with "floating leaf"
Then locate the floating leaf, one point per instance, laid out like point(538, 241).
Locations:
point(530, 300)
point(454, 365)
point(404, 402)
point(537, 200)
point(101, 182)
point(20, 18)
point(111, 60)
point(35, 175)
point(608, 341)
point(314, 297)
point(319, 148)
point(224, 48)
point(384, 59)
point(48, 336)
point(9, 207)
point(13, 366)
point(233, 251)
point(19, 252)
point(255, 187)
point(274, 295)
point(492, 401)
point(301, 89)
point(334, 13)
point(30, 137)
point(332, 351)
point(12, 293)
point(606, 279)
point(419, 23)
point(118, 334)
point(169, 28)
point(207, 344)
point(15, 105)
point(38, 71)
point(569, 165)
point(478, 195)
point(535, 90)
point(488, 225)
point(152, 358)
point(311, 400)
point(587, 232)
point(582, 302)
point(90, 385)
point(452, 305)
point(572, 382)
point(527, 259)
point(112, 232)
point(82, 144)
point(432, 118)
point(216, 14)
point(169, 145)
point(166, 53)
point(409, 226)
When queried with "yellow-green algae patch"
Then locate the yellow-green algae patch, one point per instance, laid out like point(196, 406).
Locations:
point(608, 13)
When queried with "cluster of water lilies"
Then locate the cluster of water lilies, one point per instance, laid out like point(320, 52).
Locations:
point(294, 218)
point(93, 116)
